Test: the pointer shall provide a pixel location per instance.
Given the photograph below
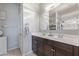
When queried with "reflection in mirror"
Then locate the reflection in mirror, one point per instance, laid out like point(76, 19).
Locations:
point(70, 19)
point(65, 18)
point(52, 21)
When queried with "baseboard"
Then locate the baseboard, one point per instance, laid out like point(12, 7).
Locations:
point(27, 53)
point(13, 48)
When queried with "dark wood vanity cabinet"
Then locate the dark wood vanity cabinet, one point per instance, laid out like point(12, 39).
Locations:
point(61, 49)
point(40, 47)
point(37, 45)
point(34, 44)
point(49, 51)
point(45, 47)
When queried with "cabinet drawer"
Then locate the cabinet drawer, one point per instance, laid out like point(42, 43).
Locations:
point(34, 41)
point(60, 45)
point(61, 52)
point(49, 51)
point(34, 37)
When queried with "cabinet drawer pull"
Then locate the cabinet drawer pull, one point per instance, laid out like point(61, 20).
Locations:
point(53, 50)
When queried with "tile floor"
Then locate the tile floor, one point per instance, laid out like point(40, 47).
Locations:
point(16, 52)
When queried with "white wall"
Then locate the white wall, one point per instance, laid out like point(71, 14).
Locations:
point(44, 21)
point(12, 28)
point(30, 16)
point(44, 17)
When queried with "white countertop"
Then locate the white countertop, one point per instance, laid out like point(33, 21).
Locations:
point(68, 39)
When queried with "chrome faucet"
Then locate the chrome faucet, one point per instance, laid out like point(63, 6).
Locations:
point(50, 33)
point(60, 34)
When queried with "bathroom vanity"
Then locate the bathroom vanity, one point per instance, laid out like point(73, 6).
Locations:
point(63, 20)
point(44, 45)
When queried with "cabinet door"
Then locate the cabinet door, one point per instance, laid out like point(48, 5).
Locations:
point(61, 49)
point(61, 52)
point(34, 44)
point(40, 46)
point(49, 51)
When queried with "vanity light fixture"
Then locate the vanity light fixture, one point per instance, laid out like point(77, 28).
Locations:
point(54, 5)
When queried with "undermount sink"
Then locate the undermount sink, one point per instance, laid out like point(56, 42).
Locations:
point(50, 35)
point(53, 35)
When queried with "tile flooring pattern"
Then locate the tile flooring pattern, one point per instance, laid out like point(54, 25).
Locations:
point(16, 52)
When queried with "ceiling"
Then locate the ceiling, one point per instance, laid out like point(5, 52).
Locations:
point(65, 8)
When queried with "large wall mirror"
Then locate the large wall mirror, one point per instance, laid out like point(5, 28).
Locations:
point(65, 17)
